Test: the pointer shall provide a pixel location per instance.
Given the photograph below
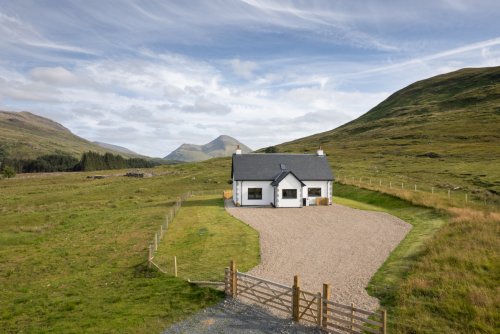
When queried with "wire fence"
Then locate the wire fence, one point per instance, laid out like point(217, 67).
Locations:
point(426, 194)
point(163, 229)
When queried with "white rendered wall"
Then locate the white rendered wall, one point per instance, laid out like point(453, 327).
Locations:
point(289, 182)
point(267, 193)
point(235, 192)
point(316, 184)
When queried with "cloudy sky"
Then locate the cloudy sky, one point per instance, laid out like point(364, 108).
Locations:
point(151, 75)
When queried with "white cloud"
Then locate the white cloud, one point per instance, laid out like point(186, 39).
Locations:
point(203, 105)
point(54, 76)
point(243, 69)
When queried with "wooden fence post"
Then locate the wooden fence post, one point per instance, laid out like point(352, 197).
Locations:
point(415, 187)
point(384, 322)
point(175, 266)
point(234, 279)
point(432, 190)
point(150, 255)
point(352, 315)
point(227, 282)
point(466, 200)
point(402, 185)
point(380, 183)
point(320, 309)
point(161, 231)
point(326, 297)
point(390, 184)
point(295, 298)
point(448, 193)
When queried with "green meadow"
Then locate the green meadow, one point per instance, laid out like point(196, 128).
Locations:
point(73, 251)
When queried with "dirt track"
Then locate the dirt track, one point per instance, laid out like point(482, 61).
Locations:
point(337, 245)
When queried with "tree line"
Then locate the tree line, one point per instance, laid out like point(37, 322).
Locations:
point(63, 162)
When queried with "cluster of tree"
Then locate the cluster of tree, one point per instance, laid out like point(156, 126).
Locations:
point(5, 171)
point(62, 162)
point(94, 161)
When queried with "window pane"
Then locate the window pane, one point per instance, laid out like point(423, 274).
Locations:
point(289, 193)
point(254, 193)
point(314, 192)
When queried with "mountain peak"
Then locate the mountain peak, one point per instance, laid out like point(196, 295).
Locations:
point(222, 146)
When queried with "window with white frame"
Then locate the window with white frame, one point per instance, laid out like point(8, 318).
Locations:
point(254, 193)
point(289, 193)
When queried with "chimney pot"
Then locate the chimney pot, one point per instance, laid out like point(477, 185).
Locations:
point(238, 150)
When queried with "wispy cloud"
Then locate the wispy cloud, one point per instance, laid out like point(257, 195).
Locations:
point(152, 75)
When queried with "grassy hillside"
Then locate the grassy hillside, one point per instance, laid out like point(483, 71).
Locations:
point(443, 131)
point(24, 135)
point(73, 250)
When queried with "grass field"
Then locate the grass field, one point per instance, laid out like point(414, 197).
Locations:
point(443, 277)
point(73, 252)
point(204, 238)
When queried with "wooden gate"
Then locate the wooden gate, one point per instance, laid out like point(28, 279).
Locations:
point(262, 291)
point(312, 308)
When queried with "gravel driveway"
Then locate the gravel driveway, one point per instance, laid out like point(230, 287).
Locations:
point(234, 317)
point(326, 244)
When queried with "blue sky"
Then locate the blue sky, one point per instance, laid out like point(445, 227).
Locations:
point(151, 75)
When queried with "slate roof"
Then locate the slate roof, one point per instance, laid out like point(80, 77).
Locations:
point(282, 175)
point(267, 167)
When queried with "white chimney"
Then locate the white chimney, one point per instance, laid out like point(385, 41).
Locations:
point(320, 151)
point(238, 150)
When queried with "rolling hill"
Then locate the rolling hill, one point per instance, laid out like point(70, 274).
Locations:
point(24, 135)
point(443, 131)
point(222, 146)
point(116, 148)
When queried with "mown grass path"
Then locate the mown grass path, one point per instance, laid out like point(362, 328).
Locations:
point(204, 238)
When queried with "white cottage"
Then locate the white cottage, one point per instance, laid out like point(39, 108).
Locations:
point(280, 180)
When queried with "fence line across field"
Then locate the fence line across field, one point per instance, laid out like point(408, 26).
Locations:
point(169, 217)
point(454, 196)
point(303, 306)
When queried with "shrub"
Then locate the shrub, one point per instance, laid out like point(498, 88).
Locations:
point(8, 172)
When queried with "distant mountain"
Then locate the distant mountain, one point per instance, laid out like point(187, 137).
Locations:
point(443, 131)
point(24, 135)
point(115, 148)
point(222, 146)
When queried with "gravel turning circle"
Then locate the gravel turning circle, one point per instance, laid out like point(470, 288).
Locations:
point(335, 244)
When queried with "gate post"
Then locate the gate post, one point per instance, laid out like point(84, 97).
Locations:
point(295, 298)
point(320, 309)
point(326, 297)
point(234, 279)
point(384, 322)
point(227, 282)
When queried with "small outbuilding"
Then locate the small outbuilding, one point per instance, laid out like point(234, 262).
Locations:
point(281, 180)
